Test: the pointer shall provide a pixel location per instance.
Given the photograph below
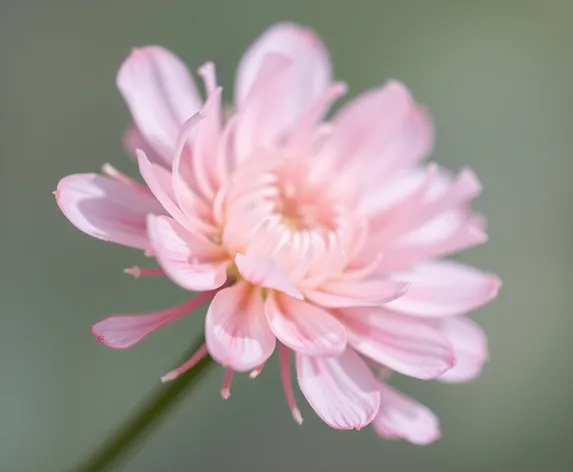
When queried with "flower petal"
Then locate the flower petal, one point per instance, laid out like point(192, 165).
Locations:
point(236, 329)
point(470, 348)
point(123, 331)
point(160, 182)
point(133, 140)
point(191, 262)
point(312, 65)
point(266, 273)
point(401, 197)
point(268, 112)
point(187, 179)
point(160, 94)
point(364, 131)
point(303, 327)
point(341, 390)
point(401, 417)
point(405, 344)
point(447, 233)
point(208, 137)
point(449, 192)
point(444, 288)
point(107, 209)
point(349, 293)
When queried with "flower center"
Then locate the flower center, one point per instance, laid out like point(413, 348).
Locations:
point(301, 208)
point(271, 210)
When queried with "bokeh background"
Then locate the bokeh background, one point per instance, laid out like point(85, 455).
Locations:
point(497, 76)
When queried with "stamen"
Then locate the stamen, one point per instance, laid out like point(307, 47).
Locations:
point(256, 372)
point(194, 359)
point(226, 390)
point(137, 271)
point(284, 365)
point(112, 172)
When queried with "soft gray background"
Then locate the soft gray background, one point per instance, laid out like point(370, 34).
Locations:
point(497, 76)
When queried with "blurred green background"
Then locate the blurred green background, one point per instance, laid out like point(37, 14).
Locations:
point(497, 77)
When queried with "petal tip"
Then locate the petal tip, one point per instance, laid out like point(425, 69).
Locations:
point(495, 286)
point(471, 182)
point(397, 87)
point(99, 336)
point(430, 438)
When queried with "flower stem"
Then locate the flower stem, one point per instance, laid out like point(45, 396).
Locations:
point(151, 413)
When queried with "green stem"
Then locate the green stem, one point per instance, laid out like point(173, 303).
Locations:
point(134, 429)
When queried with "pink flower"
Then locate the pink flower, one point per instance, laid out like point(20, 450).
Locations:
point(327, 235)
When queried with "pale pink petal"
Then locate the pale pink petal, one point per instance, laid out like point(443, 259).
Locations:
point(341, 390)
point(419, 203)
point(123, 331)
point(470, 348)
point(443, 235)
point(187, 180)
point(160, 94)
point(401, 417)
point(349, 293)
point(327, 257)
point(110, 171)
point(194, 165)
point(411, 142)
point(436, 226)
point(191, 262)
point(444, 288)
point(239, 228)
point(408, 143)
point(133, 140)
point(449, 192)
point(405, 344)
point(269, 110)
point(363, 129)
point(160, 182)
point(266, 273)
point(312, 65)
point(305, 328)
point(209, 135)
point(158, 179)
point(302, 136)
point(392, 210)
point(107, 209)
point(236, 329)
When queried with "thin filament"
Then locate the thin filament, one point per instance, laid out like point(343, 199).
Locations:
point(284, 365)
point(226, 390)
point(193, 360)
point(137, 271)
